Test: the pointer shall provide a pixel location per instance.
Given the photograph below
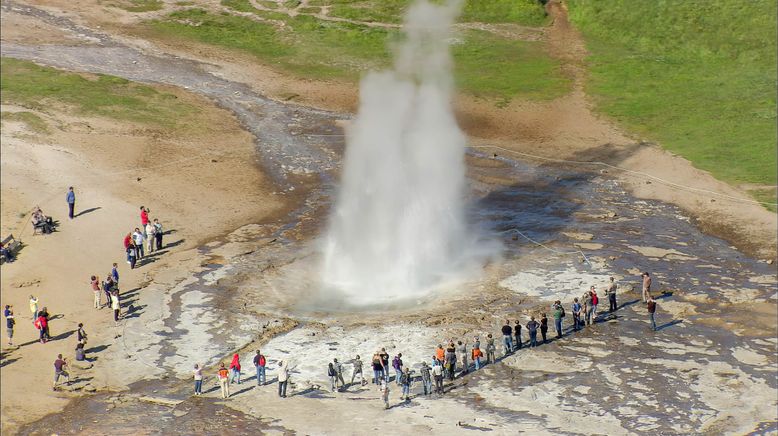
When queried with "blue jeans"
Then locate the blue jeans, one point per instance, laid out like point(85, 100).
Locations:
point(234, 374)
point(508, 342)
point(260, 374)
point(589, 318)
point(377, 376)
point(533, 338)
point(576, 321)
point(653, 323)
point(427, 386)
point(406, 391)
point(397, 373)
point(558, 325)
point(198, 386)
point(477, 363)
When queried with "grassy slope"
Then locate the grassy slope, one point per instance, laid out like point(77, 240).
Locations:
point(487, 65)
point(33, 86)
point(698, 76)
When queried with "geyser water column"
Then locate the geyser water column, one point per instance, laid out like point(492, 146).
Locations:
point(398, 227)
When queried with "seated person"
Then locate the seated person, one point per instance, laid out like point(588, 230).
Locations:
point(9, 257)
point(41, 220)
point(80, 353)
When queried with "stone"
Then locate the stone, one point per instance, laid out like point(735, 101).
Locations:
point(89, 388)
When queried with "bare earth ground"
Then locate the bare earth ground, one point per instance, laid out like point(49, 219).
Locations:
point(103, 159)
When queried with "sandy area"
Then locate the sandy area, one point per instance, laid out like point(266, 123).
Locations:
point(197, 191)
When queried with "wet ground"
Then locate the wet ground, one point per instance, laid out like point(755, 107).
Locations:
point(710, 368)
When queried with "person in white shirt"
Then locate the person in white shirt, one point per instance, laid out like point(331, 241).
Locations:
point(150, 231)
point(138, 238)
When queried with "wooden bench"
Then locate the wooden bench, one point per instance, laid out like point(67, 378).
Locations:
point(11, 244)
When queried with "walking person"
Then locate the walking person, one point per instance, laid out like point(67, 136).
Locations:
point(532, 328)
point(43, 316)
point(426, 378)
point(235, 368)
point(543, 326)
point(34, 307)
point(332, 375)
point(646, 286)
point(651, 306)
point(397, 364)
point(576, 314)
point(60, 366)
point(559, 313)
point(377, 368)
point(224, 381)
point(283, 378)
point(198, 379)
point(612, 296)
point(491, 349)
point(385, 392)
point(158, 233)
point(462, 349)
point(259, 364)
point(95, 283)
point(9, 327)
point(42, 325)
point(405, 381)
point(437, 374)
point(507, 332)
point(71, 200)
point(138, 238)
point(357, 363)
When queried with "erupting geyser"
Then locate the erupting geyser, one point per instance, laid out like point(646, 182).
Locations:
point(398, 228)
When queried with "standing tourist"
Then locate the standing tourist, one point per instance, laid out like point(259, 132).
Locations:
point(283, 378)
point(646, 286)
point(612, 296)
point(595, 303)
point(451, 360)
point(138, 238)
point(224, 380)
point(385, 363)
point(158, 233)
point(34, 307)
point(115, 305)
point(532, 328)
point(543, 326)
point(71, 200)
point(115, 273)
point(405, 382)
point(397, 364)
point(95, 282)
point(559, 313)
point(81, 334)
point(357, 363)
point(377, 368)
point(491, 349)
point(426, 378)
point(150, 237)
point(462, 349)
point(198, 379)
point(507, 331)
point(440, 354)
point(517, 334)
point(42, 325)
point(576, 314)
point(332, 375)
point(235, 368)
point(9, 327)
point(339, 373)
point(437, 373)
point(588, 307)
point(59, 370)
point(259, 364)
point(651, 306)
point(476, 355)
point(144, 217)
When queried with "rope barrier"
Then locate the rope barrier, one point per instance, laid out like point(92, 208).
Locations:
point(540, 244)
point(599, 163)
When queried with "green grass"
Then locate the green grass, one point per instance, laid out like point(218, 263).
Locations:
point(31, 120)
point(30, 85)
point(697, 76)
point(138, 5)
point(486, 65)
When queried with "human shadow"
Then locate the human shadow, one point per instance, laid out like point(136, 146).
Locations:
point(627, 304)
point(97, 349)
point(86, 211)
point(57, 316)
point(134, 311)
point(238, 392)
point(173, 244)
point(669, 324)
point(7, 361)
point(63, 335)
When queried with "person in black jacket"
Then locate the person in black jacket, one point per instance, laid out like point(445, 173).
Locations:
point(507, 332)
point(517, 334)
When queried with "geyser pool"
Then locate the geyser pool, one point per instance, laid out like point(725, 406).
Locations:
point(398, 228)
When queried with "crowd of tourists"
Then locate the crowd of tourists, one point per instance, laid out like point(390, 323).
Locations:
point(456, 359)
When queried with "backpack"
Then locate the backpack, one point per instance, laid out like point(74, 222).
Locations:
point(562, 312)
point(595, 300)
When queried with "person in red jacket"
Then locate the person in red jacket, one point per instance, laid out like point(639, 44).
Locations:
point(144, 216)
point(41, 324)
point(129, 248)
point(235, 368)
